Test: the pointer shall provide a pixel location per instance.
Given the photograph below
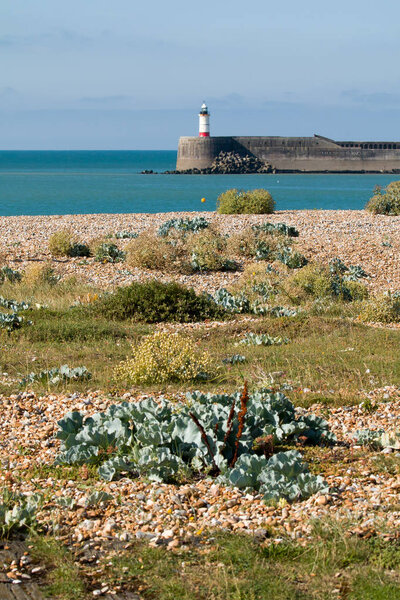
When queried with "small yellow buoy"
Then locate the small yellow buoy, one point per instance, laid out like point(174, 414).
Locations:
point(203, 199)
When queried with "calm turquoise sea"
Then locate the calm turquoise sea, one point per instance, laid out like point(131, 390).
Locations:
point(73, 182)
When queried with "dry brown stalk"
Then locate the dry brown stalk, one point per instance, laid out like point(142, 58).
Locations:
point(241, 418)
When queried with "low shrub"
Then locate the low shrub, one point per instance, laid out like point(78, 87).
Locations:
point(318, 282)
point(207, 251)
point(157, 254)
point(61, 242)
point(255, 243)
point(312, 281)
point(40, 273)
point(155, 302)
point(357, 291)
point(164, 357)
point(386, 202)
point(236, 201)
point(384, 308)
point(180, 252)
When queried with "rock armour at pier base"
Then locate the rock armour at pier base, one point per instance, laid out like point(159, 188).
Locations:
point(229, 163)
point(356, 237)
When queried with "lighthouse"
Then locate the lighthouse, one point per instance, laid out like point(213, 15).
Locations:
point(204, 121)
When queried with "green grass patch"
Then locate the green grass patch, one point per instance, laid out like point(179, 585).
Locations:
point(237, 567)
point(63, 579)
point(331, 356)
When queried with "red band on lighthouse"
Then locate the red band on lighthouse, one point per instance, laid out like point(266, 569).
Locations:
point(204, 121)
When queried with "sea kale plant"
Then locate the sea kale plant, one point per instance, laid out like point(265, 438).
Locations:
point(183, 225)
point(235, 438)
point(12, 320)
point(291, 258)
point(262, 339)
point(282, 228)
point(8, 274)
point(17, 512)
point(56, 376)
point(106, 252)
point(240, 303)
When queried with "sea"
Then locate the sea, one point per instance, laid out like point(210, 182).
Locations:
point(85, 182)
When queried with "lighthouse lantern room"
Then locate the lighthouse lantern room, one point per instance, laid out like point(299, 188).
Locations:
point(204, 121)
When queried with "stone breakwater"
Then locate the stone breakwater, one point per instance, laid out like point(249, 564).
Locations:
point(356, 237)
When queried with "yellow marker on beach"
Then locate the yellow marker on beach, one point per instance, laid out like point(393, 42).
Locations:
point(203, 199)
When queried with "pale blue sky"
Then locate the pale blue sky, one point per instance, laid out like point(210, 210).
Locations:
point(118, 74)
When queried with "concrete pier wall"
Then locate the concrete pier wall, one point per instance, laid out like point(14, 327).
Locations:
point(308, 154)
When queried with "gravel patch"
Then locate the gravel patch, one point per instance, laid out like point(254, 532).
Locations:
point(356, 237)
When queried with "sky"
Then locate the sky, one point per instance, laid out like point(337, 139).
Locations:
point(96, 74)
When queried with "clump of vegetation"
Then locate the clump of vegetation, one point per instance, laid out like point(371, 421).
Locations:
point(126, 235)
point(155, 302)
point(79, 250)
point(10, 275)
point(39, 274)
point(106, 252)
point(235, 359)
point(236, 202)
point(64, 243)
point(207, 252)
point(11, 321)
point(56, 376)
point(384, 308)
point(291, 258)
point(255, 243)
point(61, 242)
point(212, 434)
point(286, 230)
point(184, 225)
point(318, 282)
point(386, 201)
point(180, 251)
point(13, 305)
point(164, 357)
point(264, 339)
point(17, 512)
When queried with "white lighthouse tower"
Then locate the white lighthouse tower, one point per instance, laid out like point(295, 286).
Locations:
point(204, 121)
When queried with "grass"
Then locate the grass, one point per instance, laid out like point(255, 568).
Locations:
point(234, 567)
point(63, 580)
point(329, 355)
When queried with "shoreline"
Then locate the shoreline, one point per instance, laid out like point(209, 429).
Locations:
point(354, 236)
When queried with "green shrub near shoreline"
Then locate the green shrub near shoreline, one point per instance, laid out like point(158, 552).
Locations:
point(386, 202)
point(155, 302)
point(235, 202)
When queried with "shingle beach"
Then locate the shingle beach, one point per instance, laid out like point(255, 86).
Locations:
point(356, 237)
point(183, 516)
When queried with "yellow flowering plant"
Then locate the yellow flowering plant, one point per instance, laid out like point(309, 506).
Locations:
point(164, 357)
